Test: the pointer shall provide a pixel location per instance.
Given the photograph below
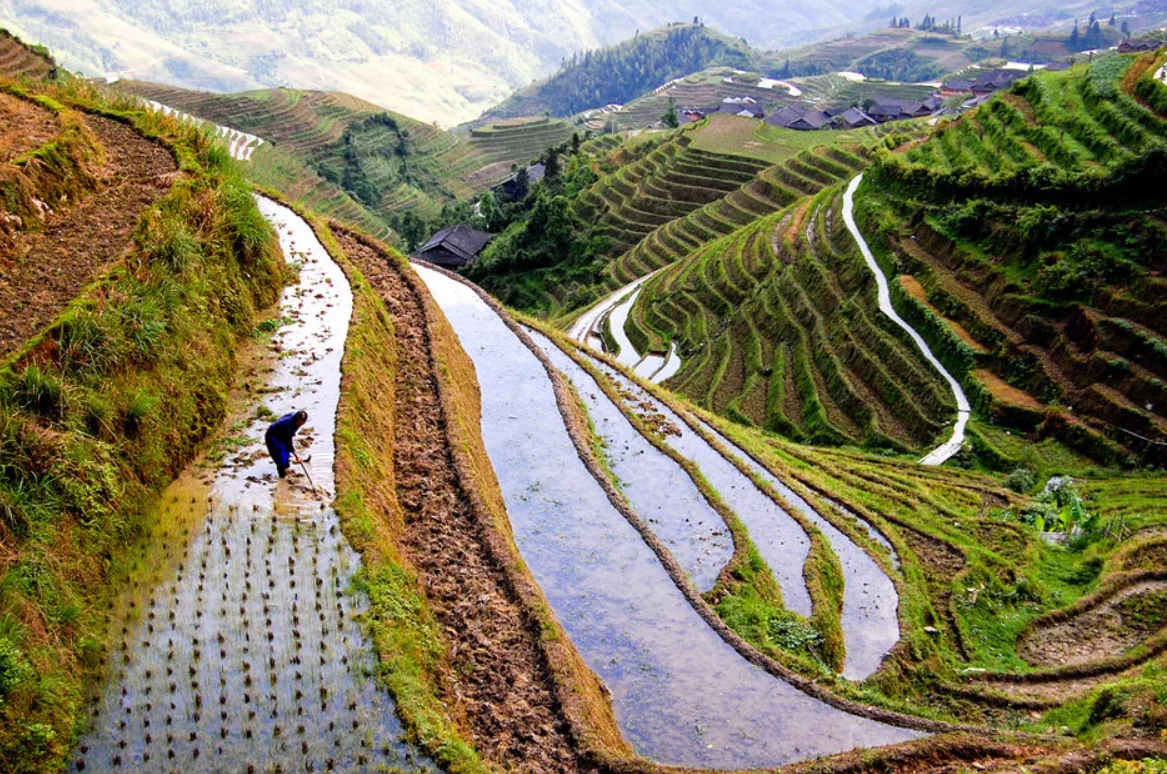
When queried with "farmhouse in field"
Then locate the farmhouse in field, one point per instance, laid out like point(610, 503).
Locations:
point(455, 247)
point(799, 117)
point(742, 106)
point(517, 185)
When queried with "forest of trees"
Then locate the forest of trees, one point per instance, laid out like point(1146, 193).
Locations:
point(622, 73)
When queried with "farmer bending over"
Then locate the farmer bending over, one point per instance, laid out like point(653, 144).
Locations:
point(279, 437)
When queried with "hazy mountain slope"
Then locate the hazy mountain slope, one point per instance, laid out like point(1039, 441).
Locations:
point(444, 60)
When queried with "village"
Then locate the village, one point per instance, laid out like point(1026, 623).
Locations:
point(951, 98)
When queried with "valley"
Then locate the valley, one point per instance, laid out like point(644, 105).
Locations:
point(710, 441)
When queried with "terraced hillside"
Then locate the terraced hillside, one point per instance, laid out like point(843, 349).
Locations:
point(667, 183)
point(777, 325)
point(518, 140)
point(386, 162)
point(19, 60)
point(1029, 240)
point(770, 190)
point(896, 53)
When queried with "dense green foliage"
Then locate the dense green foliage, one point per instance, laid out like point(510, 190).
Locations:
point(1036, 224)
point(624, 72)
point(543, 242)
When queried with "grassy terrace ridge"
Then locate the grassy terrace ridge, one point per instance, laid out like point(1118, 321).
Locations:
point(975, 586)
point(100, 410)
point(1027, 236)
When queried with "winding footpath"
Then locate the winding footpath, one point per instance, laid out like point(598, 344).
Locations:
point(681, 693)
point(947, 450)
point(241, 651)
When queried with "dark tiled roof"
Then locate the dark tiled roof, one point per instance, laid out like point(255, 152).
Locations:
point(855, 117)
point(462, 241)
point(959, 84)
point(786, 115)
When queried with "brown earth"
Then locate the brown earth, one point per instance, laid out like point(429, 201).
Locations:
point(913, 288)
point(499, 678)
point(1105, 630)
point(1005, 392)
point(46, 270)
point(23, 127)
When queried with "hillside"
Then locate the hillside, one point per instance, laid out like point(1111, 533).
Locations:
point(1036, 258)
point(620, 73)
point(448, 63)
point(499, 548)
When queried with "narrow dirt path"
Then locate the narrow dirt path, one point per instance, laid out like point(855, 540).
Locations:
point(949, 448)
point(45, 270)
point(241, 651)
point(682, 694)
point(501, 681)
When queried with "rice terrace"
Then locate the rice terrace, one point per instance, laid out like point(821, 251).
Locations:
point(780, 390)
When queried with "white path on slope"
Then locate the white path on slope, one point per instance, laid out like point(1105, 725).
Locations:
point(945, 451)
point(616, 307)
point(239, 144)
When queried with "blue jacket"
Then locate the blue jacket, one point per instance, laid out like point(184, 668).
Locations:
point(282, 430)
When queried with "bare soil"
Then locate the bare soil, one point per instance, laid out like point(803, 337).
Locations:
point(23, 127)
point(1005, 392)
point(1109, 629)
point(498, 678)
point(44, 271)
point(913, 288)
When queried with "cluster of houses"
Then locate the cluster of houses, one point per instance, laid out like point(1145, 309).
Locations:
point(880, 109)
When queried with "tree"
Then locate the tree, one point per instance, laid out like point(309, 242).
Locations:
point(669, 118)
point(1075, 39)
point(696, 21)
point(551, 168)
point(1126, 29)
point(1113, 21)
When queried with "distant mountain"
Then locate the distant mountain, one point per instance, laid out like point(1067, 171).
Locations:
point(444, 60)
point(626, 71)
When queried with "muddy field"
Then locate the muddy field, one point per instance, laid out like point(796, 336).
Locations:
point(499, 679)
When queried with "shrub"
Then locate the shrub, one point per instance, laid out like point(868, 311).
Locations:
point(14, 669)
point(1021, 480)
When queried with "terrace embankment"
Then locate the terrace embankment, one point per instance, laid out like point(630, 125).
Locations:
point(86, 181)
point(241, 649)
point(497, 673)
point(686, 705)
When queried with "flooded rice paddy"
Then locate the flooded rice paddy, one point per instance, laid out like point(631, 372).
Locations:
point(660, 491)
point(681, 694)
point(240, 650)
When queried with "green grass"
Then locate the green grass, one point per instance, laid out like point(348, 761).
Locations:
point(100, 410)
